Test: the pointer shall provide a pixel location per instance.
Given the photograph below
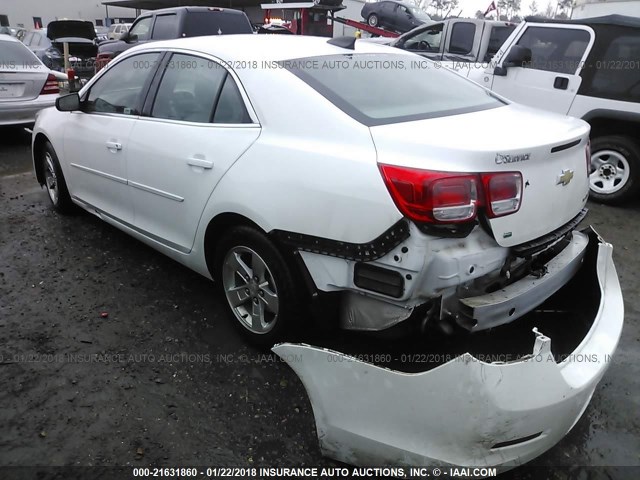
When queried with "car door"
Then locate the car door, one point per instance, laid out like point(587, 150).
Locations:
point(552, 79)
point(198, 124)
point(96, 139)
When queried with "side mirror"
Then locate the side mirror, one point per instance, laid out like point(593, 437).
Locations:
point(129, 38)
point(68, 103)
point(519, 56)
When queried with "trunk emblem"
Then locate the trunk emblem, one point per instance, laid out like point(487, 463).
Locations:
point(565, 178)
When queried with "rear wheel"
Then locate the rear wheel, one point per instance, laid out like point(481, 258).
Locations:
point(54, 180)
point(258, 284)
point(615, 163)
point(373, 20)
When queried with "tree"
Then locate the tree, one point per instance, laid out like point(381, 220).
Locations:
point(509, 8)
point(443, 8)
point(533, 7)
point(479, 14)
point(549, 10)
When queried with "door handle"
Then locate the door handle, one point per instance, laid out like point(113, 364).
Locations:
point(561, 83)
point(200, 162)
point(114, 145)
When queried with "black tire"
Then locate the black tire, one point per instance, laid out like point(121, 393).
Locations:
point(609, 154)
point(54, 179)
point(278, 278)
point(373, 20)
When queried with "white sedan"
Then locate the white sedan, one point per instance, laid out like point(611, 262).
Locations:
point(290, 169)
point(26, 84)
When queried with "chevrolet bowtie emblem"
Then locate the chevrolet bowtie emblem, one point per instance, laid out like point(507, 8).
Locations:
point(565, 177)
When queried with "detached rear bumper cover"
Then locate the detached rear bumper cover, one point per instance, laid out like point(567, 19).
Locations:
point(464, 412)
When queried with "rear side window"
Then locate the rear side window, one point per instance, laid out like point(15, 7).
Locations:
point(166, 27)
point(462, 36)
point(230, 108)
point(617, 73)
point(378, 89)
point(121, 88)
point(215, 23)
point(195, 89)
point(557, 50)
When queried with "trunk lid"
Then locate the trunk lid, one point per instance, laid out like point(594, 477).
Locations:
point(70, 29)
point(547, 149)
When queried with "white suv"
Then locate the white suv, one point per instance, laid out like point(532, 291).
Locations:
point(587, 68)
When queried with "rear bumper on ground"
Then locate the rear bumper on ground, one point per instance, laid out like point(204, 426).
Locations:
point(24, 112)
point(464, 412)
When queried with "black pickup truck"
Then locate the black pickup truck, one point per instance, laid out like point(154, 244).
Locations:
point(176, 22)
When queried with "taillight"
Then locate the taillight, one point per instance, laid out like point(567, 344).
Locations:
point(50, 86)
point(450, 197)
point(503, 192)
point(432, 197)
point(587, 153)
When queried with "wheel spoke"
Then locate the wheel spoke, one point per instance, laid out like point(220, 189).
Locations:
point(258, 267)
point(241, 268)
point(238, 296)
point(257, 316)
point(270, 300)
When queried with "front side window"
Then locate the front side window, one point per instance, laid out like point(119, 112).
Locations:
point(427, 40)
point(120, 89)
point(142, 29)
point(166, 27)
point(557, 50)
point(195, 89)
point(378, 89)
point(462, 35)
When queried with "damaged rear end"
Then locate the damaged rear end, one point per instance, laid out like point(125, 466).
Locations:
point(494, 398)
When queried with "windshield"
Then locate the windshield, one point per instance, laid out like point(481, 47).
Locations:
point(420, 14)
point(15, 55)
point(378, 89)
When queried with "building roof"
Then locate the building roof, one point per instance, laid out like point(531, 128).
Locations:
point(158, 4)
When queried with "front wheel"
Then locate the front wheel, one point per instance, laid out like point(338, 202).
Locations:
point(258, 284)
point(54, 180)
point(373, 20)
point(614, 176)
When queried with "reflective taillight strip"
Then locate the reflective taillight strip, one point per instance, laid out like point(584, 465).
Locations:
point(50, 86)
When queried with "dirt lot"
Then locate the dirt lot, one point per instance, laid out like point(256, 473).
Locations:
point(111, 354)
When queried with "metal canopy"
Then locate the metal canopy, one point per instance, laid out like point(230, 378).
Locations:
point(157, 4)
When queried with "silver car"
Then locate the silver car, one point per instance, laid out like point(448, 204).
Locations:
point(26, 84)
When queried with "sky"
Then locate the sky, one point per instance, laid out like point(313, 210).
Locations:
point(470, 7)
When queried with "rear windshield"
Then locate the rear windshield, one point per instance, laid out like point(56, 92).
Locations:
point(215, 23)
point(378, 89)
point(15, 55)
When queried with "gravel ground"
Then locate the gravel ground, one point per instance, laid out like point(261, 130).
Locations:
point(112, 354)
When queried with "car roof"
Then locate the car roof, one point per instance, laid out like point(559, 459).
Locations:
point(192, 9)
point(8, 38)
point(251, 47)
point(618, 20)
